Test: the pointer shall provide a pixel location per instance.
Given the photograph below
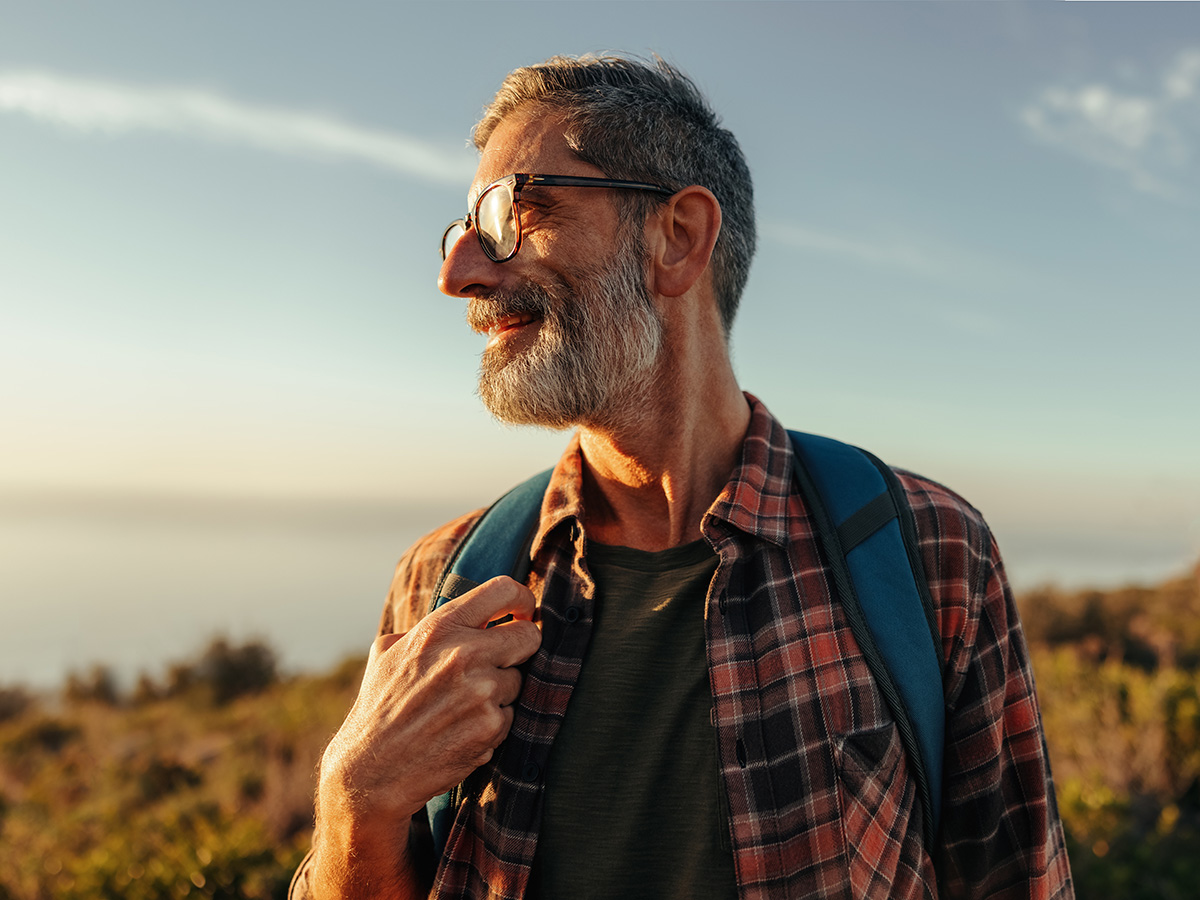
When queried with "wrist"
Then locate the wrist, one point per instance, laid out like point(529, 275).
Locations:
point(351, 791)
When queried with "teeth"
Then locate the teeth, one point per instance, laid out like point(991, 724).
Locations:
point(510, 322)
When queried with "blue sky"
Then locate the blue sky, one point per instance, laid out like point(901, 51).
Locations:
point(977, 222)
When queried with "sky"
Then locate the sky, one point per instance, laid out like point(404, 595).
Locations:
point(231, 393)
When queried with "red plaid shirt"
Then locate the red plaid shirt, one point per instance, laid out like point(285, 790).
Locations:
point(820, 800)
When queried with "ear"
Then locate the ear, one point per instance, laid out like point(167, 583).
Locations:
point(680, 239)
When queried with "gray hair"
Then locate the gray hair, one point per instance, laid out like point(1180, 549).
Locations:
point(642, 121)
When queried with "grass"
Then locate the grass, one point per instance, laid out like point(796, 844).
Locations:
point(201, 785)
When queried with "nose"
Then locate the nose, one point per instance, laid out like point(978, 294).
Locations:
point(467, 270)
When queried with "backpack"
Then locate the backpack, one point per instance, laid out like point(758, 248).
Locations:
point(864, 526)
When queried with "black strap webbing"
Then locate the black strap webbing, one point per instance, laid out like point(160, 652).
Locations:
point(866, 522)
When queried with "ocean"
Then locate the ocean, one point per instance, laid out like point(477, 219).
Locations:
point(135, 584)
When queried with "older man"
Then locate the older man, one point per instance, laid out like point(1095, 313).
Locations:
point(674, 704)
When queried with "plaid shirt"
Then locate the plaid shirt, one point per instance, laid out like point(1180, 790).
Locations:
point(821, 803)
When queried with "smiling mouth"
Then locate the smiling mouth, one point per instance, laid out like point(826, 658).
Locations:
point(509, 324)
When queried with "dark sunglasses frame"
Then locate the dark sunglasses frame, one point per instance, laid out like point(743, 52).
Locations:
point(518, 182)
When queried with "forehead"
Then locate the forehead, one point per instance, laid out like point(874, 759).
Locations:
point(530, 139)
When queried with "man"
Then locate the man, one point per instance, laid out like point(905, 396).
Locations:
point(677, 706)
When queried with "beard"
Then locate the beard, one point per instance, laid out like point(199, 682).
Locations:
point(591, 361)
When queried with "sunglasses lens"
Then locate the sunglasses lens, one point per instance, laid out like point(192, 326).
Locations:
point(452, 234)
point(497, 223)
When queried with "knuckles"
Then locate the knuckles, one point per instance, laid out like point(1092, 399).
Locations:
point(382, 644)
point(483, 692)
point(492, 726)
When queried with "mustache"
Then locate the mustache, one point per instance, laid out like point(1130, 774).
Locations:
point(484, 310)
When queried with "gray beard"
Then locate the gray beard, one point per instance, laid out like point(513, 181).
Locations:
point(591, 362)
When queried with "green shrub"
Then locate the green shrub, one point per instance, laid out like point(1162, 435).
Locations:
point(97, 685)
point(231, 672)
point(220, 674)
point(14, 701)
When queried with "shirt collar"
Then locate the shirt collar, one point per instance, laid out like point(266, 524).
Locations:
point(756, 497)
point(563, 500)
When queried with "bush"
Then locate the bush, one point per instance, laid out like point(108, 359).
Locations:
point(1144, 627)
point(146, 690)
point(231, 672)
point(166, 776)
point(222, 673)
point(43, 736)
point(14, 701)
point(96, 686)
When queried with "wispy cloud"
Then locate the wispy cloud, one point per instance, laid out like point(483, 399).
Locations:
point(1146, 134)
point(888, 254)
point(932, 261)
point(90, 106)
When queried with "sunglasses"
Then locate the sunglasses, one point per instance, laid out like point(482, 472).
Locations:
point(496, 217)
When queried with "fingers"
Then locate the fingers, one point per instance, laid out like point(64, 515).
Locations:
point(509, 643)
point(461, 624)
point(506, 719)
point(514, 642)
point(508, 687)
point(494, 599)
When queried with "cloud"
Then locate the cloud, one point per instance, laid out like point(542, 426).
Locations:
point(888, 255)
point(1148, 135)
point(950, 267)
point(89, 106)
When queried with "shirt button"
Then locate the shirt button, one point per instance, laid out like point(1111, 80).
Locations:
point(572, 614)
point(530, 772)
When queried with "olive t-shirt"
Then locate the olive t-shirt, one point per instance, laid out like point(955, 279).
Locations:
point(633, 804)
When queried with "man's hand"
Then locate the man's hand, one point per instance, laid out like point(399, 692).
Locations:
point(434, 704)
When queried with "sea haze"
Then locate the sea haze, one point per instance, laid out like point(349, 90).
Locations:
point(137, 583)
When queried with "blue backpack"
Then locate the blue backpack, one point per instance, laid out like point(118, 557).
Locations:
point(866, 529)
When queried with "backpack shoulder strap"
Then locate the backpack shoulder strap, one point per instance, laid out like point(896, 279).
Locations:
point(498, 543)
point(866, 527)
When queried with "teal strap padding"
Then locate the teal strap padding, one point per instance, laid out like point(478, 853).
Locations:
point(898, 645)
point(496, 545)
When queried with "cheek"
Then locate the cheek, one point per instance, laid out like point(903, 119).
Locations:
point(542, 247)
point(568, 244)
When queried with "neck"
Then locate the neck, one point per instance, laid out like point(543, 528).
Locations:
point(649, 479)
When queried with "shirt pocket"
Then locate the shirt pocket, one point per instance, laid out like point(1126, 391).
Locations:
point(876, 797)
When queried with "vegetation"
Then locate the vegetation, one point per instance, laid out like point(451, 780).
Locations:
point(199, 784)
point(1118, 676)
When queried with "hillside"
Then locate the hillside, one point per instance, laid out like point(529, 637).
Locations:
point(199, 787)
point(200, 784)
point(1118, 675)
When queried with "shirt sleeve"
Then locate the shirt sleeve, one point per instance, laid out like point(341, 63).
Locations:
point(1001, 835)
